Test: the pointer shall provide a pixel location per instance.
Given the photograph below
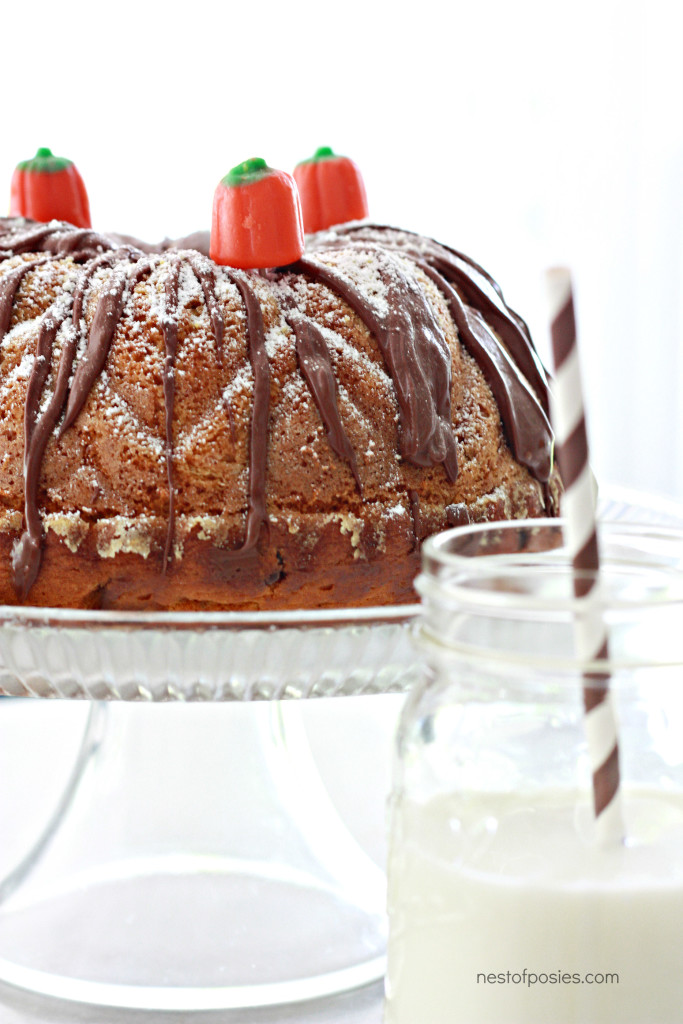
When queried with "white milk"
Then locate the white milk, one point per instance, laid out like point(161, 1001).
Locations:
point(500, 885)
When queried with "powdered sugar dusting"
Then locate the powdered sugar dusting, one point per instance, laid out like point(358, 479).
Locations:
point(122, 423)
point(360, 269)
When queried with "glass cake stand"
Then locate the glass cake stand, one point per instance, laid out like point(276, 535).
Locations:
point(195, 859)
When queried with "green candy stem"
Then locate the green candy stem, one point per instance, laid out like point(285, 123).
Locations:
point(247, 172)
point(321, 153)
point(45, 162)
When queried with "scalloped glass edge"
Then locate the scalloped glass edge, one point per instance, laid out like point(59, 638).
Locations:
point(26, 615)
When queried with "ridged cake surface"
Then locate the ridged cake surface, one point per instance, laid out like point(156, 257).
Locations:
point(178, 435)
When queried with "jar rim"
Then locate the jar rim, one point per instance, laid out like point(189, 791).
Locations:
point(464, 579)
point(503, 592)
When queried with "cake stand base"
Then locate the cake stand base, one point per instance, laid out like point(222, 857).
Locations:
point(194, 862)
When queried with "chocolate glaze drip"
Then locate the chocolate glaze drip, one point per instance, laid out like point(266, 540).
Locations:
point(258, 449)
point(487, 300)
point(38, 426)
point(58, 238)
point(35, 238)
point(206, 275)
point(526, 423)
point(27, 551)
point(476, 286)
point(110, 307)
point(200, 241)
point(317, 371)
point(169, 327)
point(414, 499)
point(412, 343)
point(9, 285)
point(105, 321)
point(417, 356)
point(457, 515)
point(507, 363)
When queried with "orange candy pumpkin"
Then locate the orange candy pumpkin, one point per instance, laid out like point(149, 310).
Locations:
point(256, 218)
point(331, 189)
point(49, 188)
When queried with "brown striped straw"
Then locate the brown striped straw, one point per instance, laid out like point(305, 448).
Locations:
point(581, 541)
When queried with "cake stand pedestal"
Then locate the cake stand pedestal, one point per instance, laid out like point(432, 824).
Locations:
point(195, 860)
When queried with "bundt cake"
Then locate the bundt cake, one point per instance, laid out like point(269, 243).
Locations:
point(180, 435)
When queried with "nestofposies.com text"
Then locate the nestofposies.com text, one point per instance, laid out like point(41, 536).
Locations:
point(530, 978)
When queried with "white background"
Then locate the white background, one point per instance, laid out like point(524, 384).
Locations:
point(524, 133)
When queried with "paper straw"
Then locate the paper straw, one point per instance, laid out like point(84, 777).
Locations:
point(581, 540)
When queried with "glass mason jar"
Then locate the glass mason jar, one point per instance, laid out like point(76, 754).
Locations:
point(503, 905)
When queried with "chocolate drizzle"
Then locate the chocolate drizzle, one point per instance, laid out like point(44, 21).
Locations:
point(457, 515)
point(58, 238)
point(169, 327)
point(317, 371)
point(417, 356)
point(205, 274)
point(527, 425)
point(105, 322)
point(9, 285)
point(495, 336)
point(258, 448)
point(27, 552)
point(410, 338)
point(414, 499)
point(474, 284)
point(40, 423)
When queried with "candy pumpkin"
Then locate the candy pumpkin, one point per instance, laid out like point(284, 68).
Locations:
point(331, 189)
point(256, 218)
point(48, 188)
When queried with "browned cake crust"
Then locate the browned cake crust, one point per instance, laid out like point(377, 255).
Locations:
point(201, 438)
